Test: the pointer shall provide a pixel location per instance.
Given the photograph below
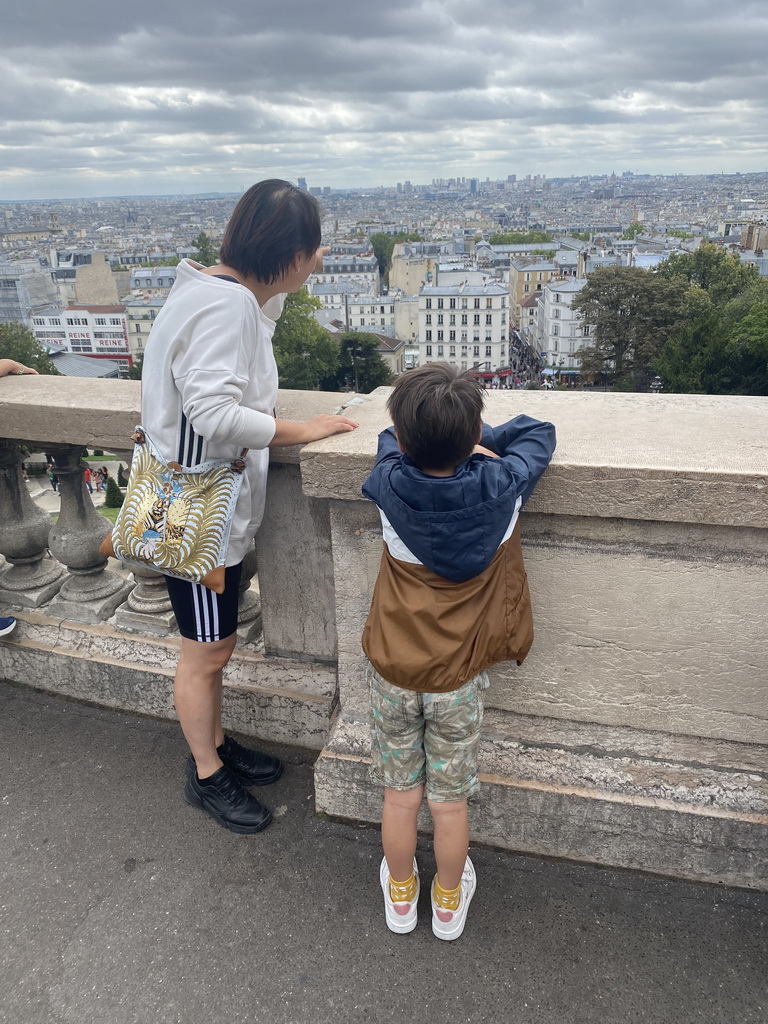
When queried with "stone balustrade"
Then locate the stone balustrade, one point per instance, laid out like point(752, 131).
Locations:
point(636, 732)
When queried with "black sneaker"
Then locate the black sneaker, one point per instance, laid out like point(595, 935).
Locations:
point(250, 766)
point(228, 803)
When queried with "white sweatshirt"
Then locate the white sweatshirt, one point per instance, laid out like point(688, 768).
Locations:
point(209, 385)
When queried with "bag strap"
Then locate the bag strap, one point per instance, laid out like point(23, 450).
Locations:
point(140, 436)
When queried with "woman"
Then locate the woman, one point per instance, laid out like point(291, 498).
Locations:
point(209, 387)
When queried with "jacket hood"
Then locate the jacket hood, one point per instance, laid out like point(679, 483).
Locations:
point(453, 525)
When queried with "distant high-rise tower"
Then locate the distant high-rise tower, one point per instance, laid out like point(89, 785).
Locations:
point(473, 186)
point(303, 183)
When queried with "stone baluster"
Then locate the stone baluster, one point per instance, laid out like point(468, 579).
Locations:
point(92, 592)
point(33, 577)
point(249, 609)
point(148, 608)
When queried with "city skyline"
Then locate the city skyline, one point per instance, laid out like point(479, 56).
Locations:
point(181, 98)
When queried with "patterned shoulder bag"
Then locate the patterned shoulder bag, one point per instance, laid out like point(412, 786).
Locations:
point(176, 519)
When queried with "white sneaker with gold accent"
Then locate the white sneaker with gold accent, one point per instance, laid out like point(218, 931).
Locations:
point(449, 924)
point(401, 914)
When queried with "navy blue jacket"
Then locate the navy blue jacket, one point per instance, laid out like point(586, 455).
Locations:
point(454, 524)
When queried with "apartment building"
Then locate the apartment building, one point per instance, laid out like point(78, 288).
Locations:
point(335, 264)
point(83, 277)
point(467, 326)
point(409, 273)
point(526, 278)
point(335, 295)
point(159, 280)
point(91, 330)
point(141, 311)
point(559, 332)
point(25, 288)
point(370, 312)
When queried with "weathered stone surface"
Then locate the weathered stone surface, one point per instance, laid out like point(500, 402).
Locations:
point(678, 458)
point(293, 550)
point(670, 816)
point(648, 633)
point(148, 607)
point(106, 416)
point(274, 699)
point(643, 639)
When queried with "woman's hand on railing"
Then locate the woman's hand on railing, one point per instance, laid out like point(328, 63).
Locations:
point(10, 366)
point(289, 432)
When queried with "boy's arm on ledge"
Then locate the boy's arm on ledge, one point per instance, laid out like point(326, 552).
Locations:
point(526, 445)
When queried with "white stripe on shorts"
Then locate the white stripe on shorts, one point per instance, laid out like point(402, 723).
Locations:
point(206, 613)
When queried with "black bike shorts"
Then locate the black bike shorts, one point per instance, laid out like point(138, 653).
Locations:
point(202, 614)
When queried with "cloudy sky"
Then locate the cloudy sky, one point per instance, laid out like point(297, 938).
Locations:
point(179, 95)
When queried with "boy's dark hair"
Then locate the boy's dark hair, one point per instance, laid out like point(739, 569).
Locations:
point(272, 223)
point(437, 413)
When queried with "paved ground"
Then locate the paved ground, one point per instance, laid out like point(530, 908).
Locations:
point(44, 495)
point(119, 904)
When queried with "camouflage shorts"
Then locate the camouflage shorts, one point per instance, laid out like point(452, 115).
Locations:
point(426, 737)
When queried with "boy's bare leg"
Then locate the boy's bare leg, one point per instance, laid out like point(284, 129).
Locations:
point(398, 830)
point(451, 840)
point(197, 696)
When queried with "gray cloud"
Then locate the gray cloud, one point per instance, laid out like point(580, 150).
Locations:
point(159, 97)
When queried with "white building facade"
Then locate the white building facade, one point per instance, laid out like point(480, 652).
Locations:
point(559, 332)
point(97, 331)
point(140, 315)
point(466, 326)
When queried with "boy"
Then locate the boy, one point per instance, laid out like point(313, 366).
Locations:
point(451, 599)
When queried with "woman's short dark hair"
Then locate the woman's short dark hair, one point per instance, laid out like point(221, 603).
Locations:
point(437, 413)
point(272, 223)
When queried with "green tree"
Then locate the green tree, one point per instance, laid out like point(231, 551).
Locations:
point(634, 229)
point(632, 314)
point(361, 368)
point(383, 245)
point(520, 238)
point(19, 343)
point(138, 365)
point(207, 253)
point(166, 261)
point(720, 273)
point(714, 354)
point(306, 354)
point(747, 352)
point(114, 497)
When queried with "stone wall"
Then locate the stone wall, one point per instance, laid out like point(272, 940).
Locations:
point(636, 732)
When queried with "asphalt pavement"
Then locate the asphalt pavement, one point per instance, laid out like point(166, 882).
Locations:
point(120, 904)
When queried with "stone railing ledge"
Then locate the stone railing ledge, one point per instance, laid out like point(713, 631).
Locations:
point(673, 458)
point(104, 413)
point(69, 410)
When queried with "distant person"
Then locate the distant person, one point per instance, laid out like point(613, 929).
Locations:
point(451, 599)
point(209, 390)
point(52, 476)
point(11, 367)
point(88, 483)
